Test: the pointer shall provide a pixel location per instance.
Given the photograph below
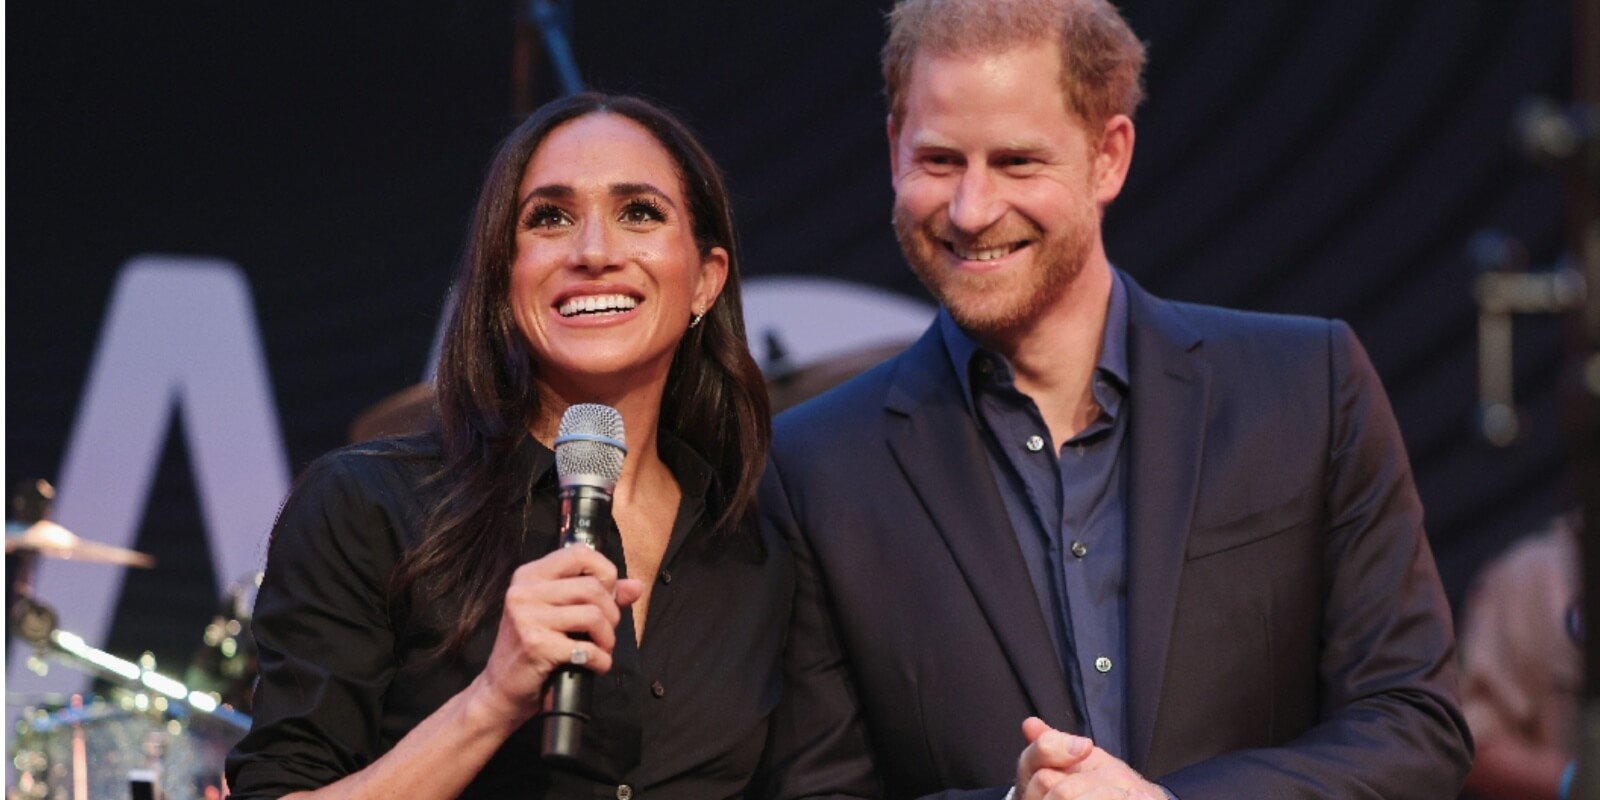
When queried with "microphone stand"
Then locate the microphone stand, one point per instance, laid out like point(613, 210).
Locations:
point(548, 22)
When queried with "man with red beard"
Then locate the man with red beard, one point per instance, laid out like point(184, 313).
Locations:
point(1079, 541)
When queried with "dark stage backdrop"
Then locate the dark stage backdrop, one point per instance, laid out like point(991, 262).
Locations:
point(232, 227)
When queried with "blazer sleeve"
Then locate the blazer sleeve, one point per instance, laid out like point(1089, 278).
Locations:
point(818, 745)
point(1390, 727)
point(322, 628)
point(816, 742)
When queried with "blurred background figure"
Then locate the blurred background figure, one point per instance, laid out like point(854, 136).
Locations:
point(1521, 642)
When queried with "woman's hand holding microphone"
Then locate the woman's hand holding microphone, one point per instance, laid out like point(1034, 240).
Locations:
point(573, 590)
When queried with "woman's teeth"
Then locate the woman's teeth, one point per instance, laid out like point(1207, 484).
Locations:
point(597, 304)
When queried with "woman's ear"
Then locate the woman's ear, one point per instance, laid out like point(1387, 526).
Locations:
point(713, 276)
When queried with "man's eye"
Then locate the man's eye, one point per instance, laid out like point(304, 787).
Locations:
point(545, 216)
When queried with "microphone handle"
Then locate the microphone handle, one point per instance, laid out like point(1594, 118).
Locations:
point(569, 691)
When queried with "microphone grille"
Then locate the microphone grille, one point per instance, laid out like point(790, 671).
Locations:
point(590, 442)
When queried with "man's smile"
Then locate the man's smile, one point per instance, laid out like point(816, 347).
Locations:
point(984, 253)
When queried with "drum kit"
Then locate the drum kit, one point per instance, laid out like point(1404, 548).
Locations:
point(143, 734)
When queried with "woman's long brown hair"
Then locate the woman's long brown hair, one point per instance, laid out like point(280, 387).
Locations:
point(487, 384)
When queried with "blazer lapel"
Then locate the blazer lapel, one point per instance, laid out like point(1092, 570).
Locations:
point(1170, 386)
point(936, 443)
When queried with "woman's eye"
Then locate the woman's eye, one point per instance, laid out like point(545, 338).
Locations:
point(640, 212)
point(545, 216)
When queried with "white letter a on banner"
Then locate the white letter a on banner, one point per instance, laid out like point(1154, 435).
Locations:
point(180, 336)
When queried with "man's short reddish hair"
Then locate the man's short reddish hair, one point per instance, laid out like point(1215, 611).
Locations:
point(1102, 62)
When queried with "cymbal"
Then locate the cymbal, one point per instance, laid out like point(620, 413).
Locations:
point(410, 410)
point(791, 387)
point(53, 541)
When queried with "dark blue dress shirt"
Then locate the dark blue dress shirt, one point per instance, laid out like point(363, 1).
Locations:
point(1066, 505)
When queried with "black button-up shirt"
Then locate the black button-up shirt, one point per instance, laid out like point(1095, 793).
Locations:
point(1065, 502)
point(344, 675)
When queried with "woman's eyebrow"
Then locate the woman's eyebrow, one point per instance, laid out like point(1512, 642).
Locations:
point(631, 189)
point(561, 191)
point(552, 191)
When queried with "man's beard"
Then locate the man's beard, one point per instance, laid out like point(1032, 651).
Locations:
point(1011, 300)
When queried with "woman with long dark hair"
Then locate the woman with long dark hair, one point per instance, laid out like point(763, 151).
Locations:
point(416, 599)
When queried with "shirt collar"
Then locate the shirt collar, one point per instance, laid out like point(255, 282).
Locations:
point(694, 474)
point(1113, 361)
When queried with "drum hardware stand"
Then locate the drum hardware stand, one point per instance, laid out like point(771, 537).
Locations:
point(145, 784)
point(777, 365)
point(80, 755)
point(1503, 289)
point(29, 503)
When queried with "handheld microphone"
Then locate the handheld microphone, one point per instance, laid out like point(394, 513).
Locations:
point(589, 454)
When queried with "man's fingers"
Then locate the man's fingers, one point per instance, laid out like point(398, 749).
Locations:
point(1059, 750)
point(1052, 755)
point(1081, 786)
point(1039, 785)
point(1052, 748)
point(1033, 728)
point(1102, 793)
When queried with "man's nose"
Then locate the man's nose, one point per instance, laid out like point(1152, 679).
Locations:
point(976, 204)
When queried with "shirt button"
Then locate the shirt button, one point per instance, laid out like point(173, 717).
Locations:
point(1102, 664)
point(624, 792)
point(1080, 550)
point(1034, 444)
point(658, 690)
point(984, 367)
point(666, 576)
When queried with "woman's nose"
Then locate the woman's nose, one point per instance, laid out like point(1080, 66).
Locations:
point(595, 248)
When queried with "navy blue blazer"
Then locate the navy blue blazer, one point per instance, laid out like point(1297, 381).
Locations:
point(1287, 634)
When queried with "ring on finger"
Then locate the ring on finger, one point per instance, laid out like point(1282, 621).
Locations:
point(579, 656)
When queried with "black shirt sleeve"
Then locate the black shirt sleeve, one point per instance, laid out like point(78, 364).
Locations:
point(345, 675)
point(321, 623)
